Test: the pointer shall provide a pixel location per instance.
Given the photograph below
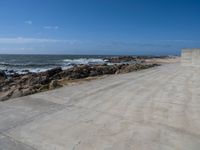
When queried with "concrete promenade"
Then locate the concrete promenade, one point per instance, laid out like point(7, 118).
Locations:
point(153, 109)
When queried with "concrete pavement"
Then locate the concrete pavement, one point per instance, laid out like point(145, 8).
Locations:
point(153, 109)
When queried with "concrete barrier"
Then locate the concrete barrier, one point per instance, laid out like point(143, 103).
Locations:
point(190, 57)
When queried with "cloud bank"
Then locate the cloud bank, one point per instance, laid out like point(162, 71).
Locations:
point(21, 40)
point(59, 46)
point(51, 27)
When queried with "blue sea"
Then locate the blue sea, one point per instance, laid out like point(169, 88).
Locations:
point(38, 63)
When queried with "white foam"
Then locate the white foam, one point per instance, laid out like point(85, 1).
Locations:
point(67, 63)
point(84, 61)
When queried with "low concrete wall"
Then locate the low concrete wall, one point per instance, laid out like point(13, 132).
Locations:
point(190, 57)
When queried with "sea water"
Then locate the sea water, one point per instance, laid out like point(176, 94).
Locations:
point(38, 63)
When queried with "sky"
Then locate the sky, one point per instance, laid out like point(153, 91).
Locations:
point(115, 27)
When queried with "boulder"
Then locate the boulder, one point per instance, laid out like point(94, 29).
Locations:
point(27, 91)
point(120, 59)
point(54, 84)
point(44, 80)
point(3, 75)
point(6, 95)
point(34, 80)
point(52, 72)
point(17, 93)
point(44, 88)
point(93, 73)
point(78, 72)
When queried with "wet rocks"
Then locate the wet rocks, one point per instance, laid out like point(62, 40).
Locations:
point(79, 72)
point(52, 72)
point(54, 84)
point(23, 85)
point(2, 75)
point(121, 59)
point(27, 91)
point(136, 67)
point(84, 71)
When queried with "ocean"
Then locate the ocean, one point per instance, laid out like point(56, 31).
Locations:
point(37, 63)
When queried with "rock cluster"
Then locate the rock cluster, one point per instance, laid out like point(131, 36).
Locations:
point(22, 85)
point(121, 59)
point(2, 75)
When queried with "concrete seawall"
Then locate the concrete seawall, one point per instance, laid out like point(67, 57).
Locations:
point(153, 109)
point(190, 57)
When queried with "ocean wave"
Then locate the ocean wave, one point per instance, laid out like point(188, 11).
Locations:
point(27, 65)
point(24, 71)
point(22, 67)
point(84, 61)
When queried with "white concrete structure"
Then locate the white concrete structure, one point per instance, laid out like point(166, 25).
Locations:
point(153, 109)
point(191, 57)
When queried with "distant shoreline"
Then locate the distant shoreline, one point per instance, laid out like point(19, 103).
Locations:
point(151, 55)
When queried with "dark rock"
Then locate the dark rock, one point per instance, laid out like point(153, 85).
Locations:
point(44, 88)
point(93, 73)
point(34, 80)
point(14, 75)
point(35, 87)
point(25, 71)
point(44, 80)
point(6, 95)
point(134, 67)
point(10, 71)
point(17, 93)
point(82, 71)
point(3, 75)
point(27, 91)
point(121, 59)
point(54, 84)
point(52, 72)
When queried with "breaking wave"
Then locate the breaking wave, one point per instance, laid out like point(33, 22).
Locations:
point(84, 61)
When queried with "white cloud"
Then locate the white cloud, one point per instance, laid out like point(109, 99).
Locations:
point(20, 40)
point(184, 41)
point(29, 22)
point(16, 48)
point(51, 27)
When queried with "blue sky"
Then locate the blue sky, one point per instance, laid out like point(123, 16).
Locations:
point(99, 26)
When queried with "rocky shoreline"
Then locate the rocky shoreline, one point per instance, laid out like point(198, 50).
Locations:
point(22, 85)
point(129, 59)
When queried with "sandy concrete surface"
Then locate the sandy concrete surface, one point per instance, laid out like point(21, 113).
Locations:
point(153, 109)
point(166, 60)
point(190, 57)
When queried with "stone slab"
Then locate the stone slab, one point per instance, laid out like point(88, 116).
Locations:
point(191, 57)
point(85, 129)
point(19, 111)
point(7, 143)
